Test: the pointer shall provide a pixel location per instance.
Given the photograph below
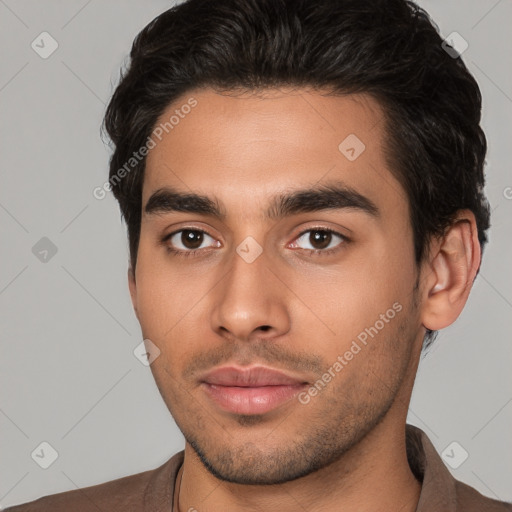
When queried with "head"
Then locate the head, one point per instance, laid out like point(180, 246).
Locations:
point(343, 140)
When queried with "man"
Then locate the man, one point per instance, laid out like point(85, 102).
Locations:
point(302, 184)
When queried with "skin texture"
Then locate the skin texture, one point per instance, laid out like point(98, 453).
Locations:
point(291, 309)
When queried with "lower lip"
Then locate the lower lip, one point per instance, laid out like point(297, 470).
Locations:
point(241, 400)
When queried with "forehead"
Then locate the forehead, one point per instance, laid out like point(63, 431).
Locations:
point(249, 146)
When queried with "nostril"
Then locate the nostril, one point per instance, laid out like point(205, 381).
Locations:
point(265, 328)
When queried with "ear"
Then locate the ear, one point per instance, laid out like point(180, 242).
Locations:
point(452, 266)
point(133, 289)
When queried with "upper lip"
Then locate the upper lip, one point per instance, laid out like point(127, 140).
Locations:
point(255, 376)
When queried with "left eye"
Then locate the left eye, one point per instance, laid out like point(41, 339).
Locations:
point(318, 240)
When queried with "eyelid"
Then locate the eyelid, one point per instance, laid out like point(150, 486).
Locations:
point(321, 228)
point(344, 239)
point(187, 228)
point(183, 226)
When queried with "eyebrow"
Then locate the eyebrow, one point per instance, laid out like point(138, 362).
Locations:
point(332, 196)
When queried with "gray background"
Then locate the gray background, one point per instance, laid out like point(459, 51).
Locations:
point(68, 373)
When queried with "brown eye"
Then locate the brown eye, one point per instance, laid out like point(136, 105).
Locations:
point(319, 240)
point(187, 240)
point(192, 239)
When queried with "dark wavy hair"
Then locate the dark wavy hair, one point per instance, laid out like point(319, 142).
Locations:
point(389, 49)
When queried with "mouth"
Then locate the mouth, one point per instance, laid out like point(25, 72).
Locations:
point(256, 390)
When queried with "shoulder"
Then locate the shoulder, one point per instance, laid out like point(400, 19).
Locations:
point(440, 489)
point(124, 492)
point(470, 500)
point(131, 493)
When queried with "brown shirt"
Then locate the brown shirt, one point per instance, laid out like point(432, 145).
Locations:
point(152, 491)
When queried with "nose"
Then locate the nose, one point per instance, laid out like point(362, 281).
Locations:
point(250, 302)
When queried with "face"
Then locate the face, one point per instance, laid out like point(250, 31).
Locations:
point(274, 235)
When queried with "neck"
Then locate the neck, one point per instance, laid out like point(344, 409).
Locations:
point(373, 475)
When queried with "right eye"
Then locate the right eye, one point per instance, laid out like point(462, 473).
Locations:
point(187, 241)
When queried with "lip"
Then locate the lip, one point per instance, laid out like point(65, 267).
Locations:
point(254, 390)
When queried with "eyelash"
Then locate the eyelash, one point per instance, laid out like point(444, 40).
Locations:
point(177, 252)
point(324, 252)
point(195, 252)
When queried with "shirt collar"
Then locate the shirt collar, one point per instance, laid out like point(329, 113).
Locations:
point(438, 490)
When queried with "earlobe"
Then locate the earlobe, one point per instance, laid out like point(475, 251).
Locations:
point(451, 271)
point(133, 289)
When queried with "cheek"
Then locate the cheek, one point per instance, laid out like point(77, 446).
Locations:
point(166, 294)
point(364, 303)
point(351, 297)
